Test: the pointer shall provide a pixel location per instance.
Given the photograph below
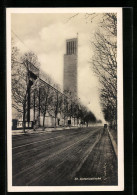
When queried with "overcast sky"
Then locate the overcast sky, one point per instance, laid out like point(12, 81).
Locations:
point(45, 34)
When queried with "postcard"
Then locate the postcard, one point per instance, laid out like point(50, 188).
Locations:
point(64, 99)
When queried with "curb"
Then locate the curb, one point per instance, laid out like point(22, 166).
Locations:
point(28, 131)
point(113, 143)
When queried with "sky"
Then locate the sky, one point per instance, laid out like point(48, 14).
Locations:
point(46, 34)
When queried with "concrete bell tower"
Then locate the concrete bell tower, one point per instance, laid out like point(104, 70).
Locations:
point(70, 65)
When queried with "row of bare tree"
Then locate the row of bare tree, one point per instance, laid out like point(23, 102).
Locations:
point(49, 100)
point(104, 63)
point(30, 91)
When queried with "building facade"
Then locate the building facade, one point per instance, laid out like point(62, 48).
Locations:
point(70, 66)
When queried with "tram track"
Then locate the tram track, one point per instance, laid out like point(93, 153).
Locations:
point(73, 155)
point(28, 170)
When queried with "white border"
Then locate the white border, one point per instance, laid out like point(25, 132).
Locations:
point(120, 186)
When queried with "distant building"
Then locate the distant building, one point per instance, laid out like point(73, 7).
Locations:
point(70, 65)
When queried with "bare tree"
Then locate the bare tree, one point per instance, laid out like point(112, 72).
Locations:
point(70, 107)
point(104, 63)
point(64, 108)
point(75, 110)
point(89, 117)
point(22, 79)
point(56, 105)
point(46, 97)
point(14, 54)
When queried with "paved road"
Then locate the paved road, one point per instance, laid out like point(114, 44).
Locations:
point(81, 156)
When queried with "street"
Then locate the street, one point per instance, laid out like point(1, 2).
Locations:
point(82, 156)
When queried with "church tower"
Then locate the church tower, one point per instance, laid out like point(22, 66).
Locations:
point(70, 66)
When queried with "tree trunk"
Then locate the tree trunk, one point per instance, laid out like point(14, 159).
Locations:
point(87, 123)
point(24, 111)
point(55, 120)
point(34, 107)
point(43, 121)
point(39, 106)
point(64, 121)
point(77, 121)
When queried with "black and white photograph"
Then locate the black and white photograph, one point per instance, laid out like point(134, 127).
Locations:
point(64, 99)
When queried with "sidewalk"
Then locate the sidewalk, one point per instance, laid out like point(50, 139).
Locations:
point(114, 134)
point(40, 130)
point(113, 138)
